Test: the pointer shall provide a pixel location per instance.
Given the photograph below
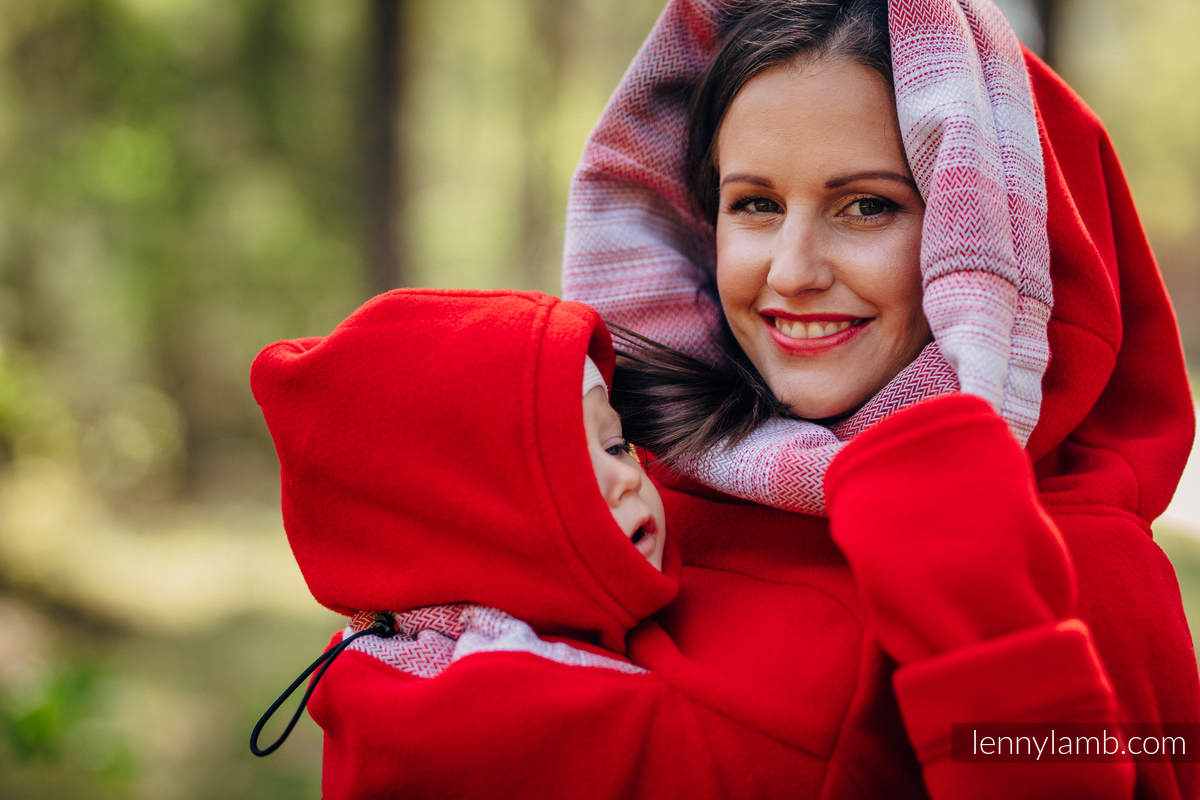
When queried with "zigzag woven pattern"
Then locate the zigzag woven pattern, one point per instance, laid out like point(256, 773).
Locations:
point(636, 251)
point(430, 639)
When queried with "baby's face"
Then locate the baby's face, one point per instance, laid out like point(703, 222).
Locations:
point(631, 497)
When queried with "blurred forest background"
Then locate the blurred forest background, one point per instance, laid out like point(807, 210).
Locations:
point(184, 182)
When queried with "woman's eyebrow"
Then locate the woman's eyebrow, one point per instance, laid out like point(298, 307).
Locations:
point(842, 180)
point(832, 183)
point(743, 177)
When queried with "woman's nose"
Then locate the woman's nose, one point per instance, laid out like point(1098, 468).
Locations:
point(799, 259)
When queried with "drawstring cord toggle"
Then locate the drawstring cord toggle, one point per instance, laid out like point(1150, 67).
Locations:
point(384, 627)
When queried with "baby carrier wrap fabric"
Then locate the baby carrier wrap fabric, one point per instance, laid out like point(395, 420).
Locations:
point(637, 250)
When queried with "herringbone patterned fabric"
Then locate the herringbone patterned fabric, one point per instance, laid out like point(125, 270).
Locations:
point(430, 639)
point(636, 251)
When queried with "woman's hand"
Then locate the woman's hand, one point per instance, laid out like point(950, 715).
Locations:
point(966, 582)
point(936, 511)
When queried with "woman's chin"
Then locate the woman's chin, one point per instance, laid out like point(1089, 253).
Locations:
point(810, 397)
point(825, 410)
point(823, 417)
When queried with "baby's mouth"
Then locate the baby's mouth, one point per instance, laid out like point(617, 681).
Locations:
point(644, 536)
point(645, 527)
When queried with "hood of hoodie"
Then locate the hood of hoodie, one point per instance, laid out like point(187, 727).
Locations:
point(432, 450)
point(1116, 420)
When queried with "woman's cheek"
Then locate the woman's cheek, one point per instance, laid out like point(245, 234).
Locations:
point(885, 266)
point(742, 258)
point(899, 291)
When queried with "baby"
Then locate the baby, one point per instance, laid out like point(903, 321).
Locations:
point(433, 450)
point(438, 464)
point(631, 497)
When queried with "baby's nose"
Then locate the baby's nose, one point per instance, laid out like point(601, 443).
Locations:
point(626, 479)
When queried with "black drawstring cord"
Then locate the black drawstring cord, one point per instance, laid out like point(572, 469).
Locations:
point(383, 628)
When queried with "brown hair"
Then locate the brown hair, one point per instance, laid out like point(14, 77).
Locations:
point(678, 407)
point(759, 34)
point(673, 405)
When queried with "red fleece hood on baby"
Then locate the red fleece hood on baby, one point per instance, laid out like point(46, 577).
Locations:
point(432, 450)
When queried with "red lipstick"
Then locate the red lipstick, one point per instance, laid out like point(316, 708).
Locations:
point(771, 312)
point(817, 345)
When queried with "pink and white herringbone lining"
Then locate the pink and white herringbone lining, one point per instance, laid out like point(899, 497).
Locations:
point(636, 251)
point(430, 639)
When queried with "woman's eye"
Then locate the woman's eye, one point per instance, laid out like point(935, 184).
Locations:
point(867, 207)
point(757, 205)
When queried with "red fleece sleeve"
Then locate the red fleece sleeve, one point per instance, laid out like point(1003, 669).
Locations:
point(502, 725)
point(967, 583)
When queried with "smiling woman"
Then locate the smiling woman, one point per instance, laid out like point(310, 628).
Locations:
point(818, 235)
point(857, 246)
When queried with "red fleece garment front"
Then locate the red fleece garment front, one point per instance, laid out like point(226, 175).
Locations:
point(806, 657)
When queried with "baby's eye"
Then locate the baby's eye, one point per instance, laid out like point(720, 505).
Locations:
point(757, 205)
point(867, 207)
point(621, 447)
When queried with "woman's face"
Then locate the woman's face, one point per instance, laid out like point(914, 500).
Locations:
point(819, 235)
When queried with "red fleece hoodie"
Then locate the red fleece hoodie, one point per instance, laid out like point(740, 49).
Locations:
point(957, 579)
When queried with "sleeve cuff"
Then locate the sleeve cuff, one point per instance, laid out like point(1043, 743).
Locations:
point(1050, 673)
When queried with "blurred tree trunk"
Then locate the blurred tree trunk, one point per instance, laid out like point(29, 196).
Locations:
point(1049, 15)
point(539, 242)
point(388, 26)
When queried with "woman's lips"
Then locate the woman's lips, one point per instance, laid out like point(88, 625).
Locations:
point(808, 334)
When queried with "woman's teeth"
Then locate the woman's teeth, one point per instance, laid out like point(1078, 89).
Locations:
point(811, 330)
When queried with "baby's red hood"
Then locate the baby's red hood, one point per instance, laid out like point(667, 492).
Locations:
point(432, 450)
